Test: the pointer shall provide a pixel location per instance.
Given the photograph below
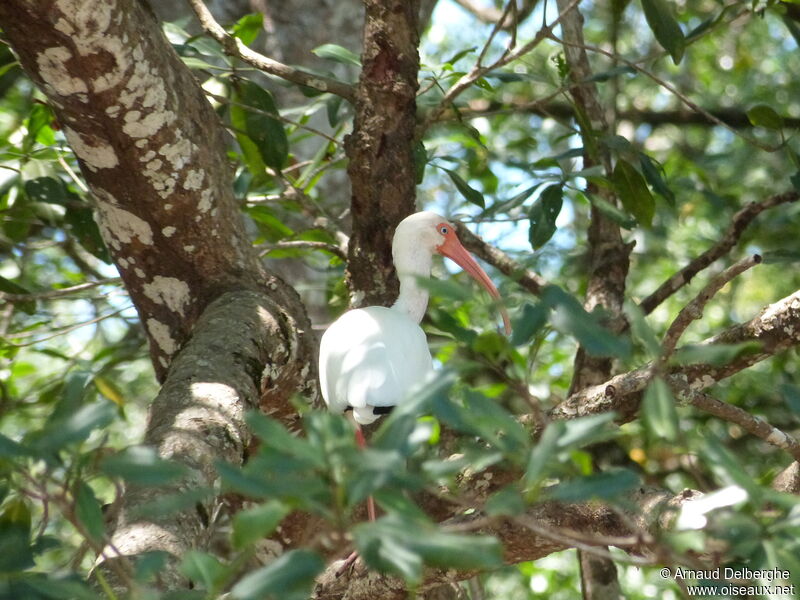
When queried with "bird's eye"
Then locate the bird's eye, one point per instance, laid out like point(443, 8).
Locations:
point(444, 229)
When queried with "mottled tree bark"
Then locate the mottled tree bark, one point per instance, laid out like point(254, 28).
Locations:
point(152, 151)
point(224, 334)
point(381, 147)
point(608, 264)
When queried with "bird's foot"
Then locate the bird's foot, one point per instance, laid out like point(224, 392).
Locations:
point(347, 564)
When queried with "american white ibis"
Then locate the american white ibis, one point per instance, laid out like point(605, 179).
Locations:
point(370, 358)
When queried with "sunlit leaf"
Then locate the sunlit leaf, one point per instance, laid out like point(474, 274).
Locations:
point(604, 486)
point(258, 522)
point(401, 546)
point(248, 27)
point(203, 568)
point(88, 511)
point(142, 465)
point(633, 192)
point(665, 27)
point(289, 577)
point(338, 54)
point(658, 411)
point(469, 193)
point(543, 215)
point(763, 115)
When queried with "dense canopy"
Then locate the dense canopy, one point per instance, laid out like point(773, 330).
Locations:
point(190, 194)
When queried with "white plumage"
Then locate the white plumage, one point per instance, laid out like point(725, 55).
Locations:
point(372, 357)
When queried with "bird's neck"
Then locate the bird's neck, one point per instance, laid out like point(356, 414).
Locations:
point(413, 299)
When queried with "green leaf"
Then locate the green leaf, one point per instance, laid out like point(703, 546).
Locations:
point(332, 108)
point(600, 486)
point(11, 449)
point(248, 27)
point(270, 226)
point(444, 288)
point(641, 330)
point(261, 136)
point(274, 435)
point(542, 454)
point(420, 161)
point(89, 513)
point(783, 255)
point(612, 212)
point(289, 577)
point(569, 316)
point(505, 502)
point(531, 320)
point(586, 430)
point(665, 27)
point(543, 215)
point(46, 189)
point(653, 173)
point(149, 564)
point(266, 131)
point(401, 546)
point(338, 54)
point(714, 354)
point(255, 523)
point(9, 287)
point(76, 427)
point(15, 532)
point(204, 569)
point(763, 115)
point(658, 411)
point(633, 192)
point(141, 465)
point(611, 74)
point(727, 467)
point(470, 194)
point(83, 228)
point(60, 588)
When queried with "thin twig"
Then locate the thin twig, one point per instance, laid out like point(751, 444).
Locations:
point(683, 98)
point(501, 261)
point(59, 293)
point(750, 423)
point(477, 71)
point(694, 310)
point(234, 47)
point(739, 223)
point(63, 330)
point(258, 111)
point(303, 244)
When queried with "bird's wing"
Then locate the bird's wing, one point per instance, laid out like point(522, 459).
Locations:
point(371, 357)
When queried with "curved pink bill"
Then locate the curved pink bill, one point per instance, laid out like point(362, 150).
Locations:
point(452, 249)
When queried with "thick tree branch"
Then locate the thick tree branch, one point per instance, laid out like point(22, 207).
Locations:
point(381, 148)
point(741, 220)
point(544, 528)
point(776, 328)
point(197, 419)
point(123, 97)
point(501, 261)
point(234, 47)
point(694, 309)
point(609, 259)
point(751, 424)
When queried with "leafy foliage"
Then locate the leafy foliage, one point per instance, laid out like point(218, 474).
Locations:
point(697, 138)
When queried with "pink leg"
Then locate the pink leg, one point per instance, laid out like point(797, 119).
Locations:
point(362, 443)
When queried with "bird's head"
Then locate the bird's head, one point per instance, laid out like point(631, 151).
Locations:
point(429, 233)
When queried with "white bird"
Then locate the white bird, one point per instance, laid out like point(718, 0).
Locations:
point(370, 358)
